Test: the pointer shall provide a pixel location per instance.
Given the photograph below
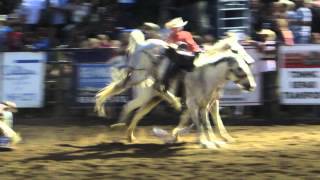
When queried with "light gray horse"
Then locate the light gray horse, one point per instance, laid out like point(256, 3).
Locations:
point(239, 72)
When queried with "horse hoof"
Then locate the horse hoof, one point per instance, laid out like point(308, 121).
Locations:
point(229, 139)
point(132, 139)
point(220, 143)
point(209, 145)
point(171, 140)
point(118, 125)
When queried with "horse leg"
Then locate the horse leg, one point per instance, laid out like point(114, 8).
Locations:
point(219, 127)
point(210, 134)
point(184, 119)
point(145, 109)
point(107, 92)
point(127, 110)
point(200, 129)
point(171, 99)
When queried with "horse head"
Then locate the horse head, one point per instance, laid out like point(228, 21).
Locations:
point(240, 71)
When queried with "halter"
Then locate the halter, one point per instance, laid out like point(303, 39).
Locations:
point(240, 77)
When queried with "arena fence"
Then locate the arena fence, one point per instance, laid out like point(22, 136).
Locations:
point(63, 82)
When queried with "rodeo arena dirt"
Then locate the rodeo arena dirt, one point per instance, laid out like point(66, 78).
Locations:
point(97, 90)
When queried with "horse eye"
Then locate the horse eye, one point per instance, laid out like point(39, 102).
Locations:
point(234, 51)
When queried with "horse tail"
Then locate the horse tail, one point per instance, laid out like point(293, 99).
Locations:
point(136, 38)
point(116, 87)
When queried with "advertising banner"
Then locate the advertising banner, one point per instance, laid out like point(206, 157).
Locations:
point(300, 74)
point(234, 96)
point(23, 78)
point(92, 78)
point(92, 73)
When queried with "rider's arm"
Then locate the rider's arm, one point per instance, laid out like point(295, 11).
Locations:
point(192, 45)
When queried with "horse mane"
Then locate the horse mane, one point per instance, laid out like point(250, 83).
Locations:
point(218, 47)
point(137, 41)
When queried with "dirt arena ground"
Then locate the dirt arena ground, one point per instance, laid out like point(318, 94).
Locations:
point(96, 152)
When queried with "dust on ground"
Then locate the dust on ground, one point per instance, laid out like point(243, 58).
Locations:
point(97, 152)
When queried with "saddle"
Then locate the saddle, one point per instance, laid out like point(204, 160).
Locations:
point(181, 58)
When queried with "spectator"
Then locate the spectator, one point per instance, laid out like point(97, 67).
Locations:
point(256, 19)
point(316, 38)
point(93, 43)
point(304, 18)
point(268, 48)
point(4, 31)
point(29, 12)
point(286, 33)
point(15, 38)
point(104, 40)
point(315, 25)
point(315, 3)
point(59, 18)
point(41, 40)
point(282, 19)
point(78, 10)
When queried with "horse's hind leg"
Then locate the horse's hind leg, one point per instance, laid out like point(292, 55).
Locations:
point(184, 119)
point(145, 109)
point(126, 111)
point(219, 127)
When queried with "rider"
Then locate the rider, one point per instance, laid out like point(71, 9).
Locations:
point(178, 34)
point(179, 37)
point(151, 30)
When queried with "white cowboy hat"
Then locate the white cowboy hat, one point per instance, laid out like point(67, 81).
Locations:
point(176, 23)
point(11, 106)
point(288, 3)
point(151, 25)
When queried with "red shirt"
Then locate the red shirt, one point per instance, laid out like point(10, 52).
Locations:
point(186, 37)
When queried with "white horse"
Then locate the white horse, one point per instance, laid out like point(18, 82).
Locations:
point(139, 74)
point(147, 98)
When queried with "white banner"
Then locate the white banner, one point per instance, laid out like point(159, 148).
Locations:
point(234, 96)
point(23, 78)
point(300, 74)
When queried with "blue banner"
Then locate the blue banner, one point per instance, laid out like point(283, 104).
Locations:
point(92, 76)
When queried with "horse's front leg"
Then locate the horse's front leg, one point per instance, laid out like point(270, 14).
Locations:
point(145, 109)
point(219, 127)
point(104, 94)
point(209, 132)
point(197, 120)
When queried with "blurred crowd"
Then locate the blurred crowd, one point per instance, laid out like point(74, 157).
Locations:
point(293, 22)
point(43, 24)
